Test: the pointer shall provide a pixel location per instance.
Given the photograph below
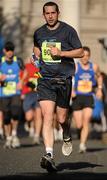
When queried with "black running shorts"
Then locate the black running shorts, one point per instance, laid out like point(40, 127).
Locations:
point(82, 101)
point(57, 90)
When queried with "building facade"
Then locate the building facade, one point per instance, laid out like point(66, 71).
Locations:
point(93, 27)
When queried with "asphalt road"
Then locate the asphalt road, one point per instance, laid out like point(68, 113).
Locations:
point(23, 163)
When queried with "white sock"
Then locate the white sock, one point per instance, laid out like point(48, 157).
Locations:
point(9, 137)
point(82, 145)
point(31, 129)
point(49, 150)
point(36, 135)
point(14, 132)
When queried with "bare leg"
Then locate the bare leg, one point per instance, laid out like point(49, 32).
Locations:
point(7, 129)
point(47, 108)
point(14, 127)
point(67, 141)
point(82, 119)
point(29, 117)
point(87, 113)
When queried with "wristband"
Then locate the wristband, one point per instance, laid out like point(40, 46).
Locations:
point(36, 60)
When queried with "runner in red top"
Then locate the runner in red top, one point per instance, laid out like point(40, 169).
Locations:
point(30, 104)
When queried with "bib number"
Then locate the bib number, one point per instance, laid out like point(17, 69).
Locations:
point(84, 86)
point(46, 53)
point(10, 88)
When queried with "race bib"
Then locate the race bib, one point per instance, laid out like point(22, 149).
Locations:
point(46, 54)
point(84, 86)
point(10, 88)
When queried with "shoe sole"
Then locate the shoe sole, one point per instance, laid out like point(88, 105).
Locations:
point(64, 152)
point(15, 147)
point(46, 164)
point(7, 147)
point(82, 151)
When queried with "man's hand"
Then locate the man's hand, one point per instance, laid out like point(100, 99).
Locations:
point(32, 61)
point(55, 52)
point(19, 85)
point(99, 93)
point(35, 60)
point(2, 77)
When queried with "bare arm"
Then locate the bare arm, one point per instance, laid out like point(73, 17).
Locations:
point(25, 75)
point(77, 53)
point(99, 80)
point(22, 80)
point(36, 51)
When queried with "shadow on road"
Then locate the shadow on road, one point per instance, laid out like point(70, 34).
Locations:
point(62, 176)
point(96, 149)
point(76, 166)
point(28, 145)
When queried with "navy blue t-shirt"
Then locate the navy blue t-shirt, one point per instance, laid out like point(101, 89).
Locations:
point(65, 37)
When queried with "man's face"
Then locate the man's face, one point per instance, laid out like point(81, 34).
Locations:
point(51, 15)
point(9, 54)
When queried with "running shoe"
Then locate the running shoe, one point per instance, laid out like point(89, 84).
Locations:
point(46, 162)
point(26, 126)
point(36, 140)
point(67, 147)
point(7, 144)
point(31, 132)
point(15, 142)
point(82, 148)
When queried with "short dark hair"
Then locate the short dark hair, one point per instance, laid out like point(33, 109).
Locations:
point(86, 48)
point(9, 46)
point(50, 4)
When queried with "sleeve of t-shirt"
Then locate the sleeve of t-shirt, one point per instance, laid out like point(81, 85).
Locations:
point(74, 40)
point(21, 63)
